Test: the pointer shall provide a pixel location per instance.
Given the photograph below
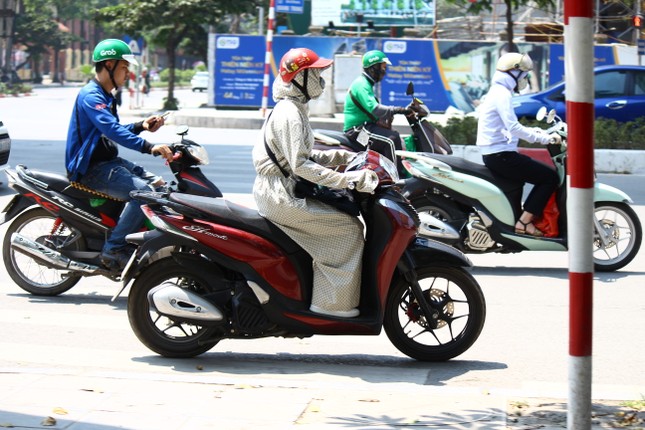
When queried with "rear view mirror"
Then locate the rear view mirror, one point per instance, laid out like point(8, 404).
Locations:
point(410, 90)
point(541, 113)
point(550, 116)
point(544, 115)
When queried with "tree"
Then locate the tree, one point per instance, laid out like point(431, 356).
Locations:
point(169, 22)
point(477, 6)
point(38, 28)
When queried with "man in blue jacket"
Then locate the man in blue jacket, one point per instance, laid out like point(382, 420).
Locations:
point(94, 134)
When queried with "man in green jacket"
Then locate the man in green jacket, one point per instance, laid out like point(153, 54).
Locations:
point(363, 111)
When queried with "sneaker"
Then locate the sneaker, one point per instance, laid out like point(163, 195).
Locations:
point(352, 313)
point(116, 259)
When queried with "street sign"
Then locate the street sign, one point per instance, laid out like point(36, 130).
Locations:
point(290, 6)
point(641, 46)
point(136, 45)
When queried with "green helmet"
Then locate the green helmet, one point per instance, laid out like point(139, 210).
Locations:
point(113, 49)
point(374, 57)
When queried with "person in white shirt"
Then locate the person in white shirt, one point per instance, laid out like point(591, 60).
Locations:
point(498, 132)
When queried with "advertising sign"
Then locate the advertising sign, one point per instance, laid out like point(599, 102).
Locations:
point(239, 70)
point(239, 67)
point(381, 12)
point(410, 63)
point(603, 55)
point(289, 6)
point(444, 73)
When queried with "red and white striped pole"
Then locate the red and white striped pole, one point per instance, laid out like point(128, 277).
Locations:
point(267, 58)
point(579, 81)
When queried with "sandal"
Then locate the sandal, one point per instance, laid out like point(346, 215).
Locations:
point(535, 233)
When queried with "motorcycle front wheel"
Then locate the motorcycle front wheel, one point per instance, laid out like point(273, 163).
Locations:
point(160, 333)
point(459, 312)
point(617, 236)
point(30, 274)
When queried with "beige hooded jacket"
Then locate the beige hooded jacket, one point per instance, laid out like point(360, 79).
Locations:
point(334, 239)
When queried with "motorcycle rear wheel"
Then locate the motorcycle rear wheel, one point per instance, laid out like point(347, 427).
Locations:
point(460, 307)
point(29, 274)
point(161, 334)
point(621, 236)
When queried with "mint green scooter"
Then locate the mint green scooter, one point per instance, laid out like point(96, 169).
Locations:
point(462, 204)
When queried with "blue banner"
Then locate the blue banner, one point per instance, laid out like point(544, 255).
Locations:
point(239, 70)
point(239, 67)
point(603, 55)
point(444, 73)
point(290, 6)
point(411, 63)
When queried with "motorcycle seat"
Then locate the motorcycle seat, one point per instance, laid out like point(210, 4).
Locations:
point(59, 183)
point(342, 138)
point(237, 216)
point(462, 165)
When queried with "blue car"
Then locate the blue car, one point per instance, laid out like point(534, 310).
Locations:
point(619, 95)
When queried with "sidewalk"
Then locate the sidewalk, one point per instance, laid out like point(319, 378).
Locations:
point(81, 400)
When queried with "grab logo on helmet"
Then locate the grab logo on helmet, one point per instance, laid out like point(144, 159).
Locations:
point(108, 52)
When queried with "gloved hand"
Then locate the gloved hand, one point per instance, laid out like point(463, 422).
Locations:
point(554, 139)
point(401, 110)
point(365, 181)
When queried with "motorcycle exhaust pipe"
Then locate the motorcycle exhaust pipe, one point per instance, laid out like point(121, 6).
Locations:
point(175, 302)
point(49, 256)
point(434, 228)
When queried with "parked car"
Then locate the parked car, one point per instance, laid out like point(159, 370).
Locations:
point(199, 82)
point(619, 94)
point(5, 147)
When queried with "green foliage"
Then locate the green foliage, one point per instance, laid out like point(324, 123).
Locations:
point(460, 131)
point(170, 103)
point(181, 76)
point(15, 89)
point(169, 23)
point(86, 70)
point(608, 133)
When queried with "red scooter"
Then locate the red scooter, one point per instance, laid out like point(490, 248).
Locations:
point(213, 270)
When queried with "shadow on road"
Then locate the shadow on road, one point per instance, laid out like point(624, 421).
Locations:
point(75, 299)
point(370, 368)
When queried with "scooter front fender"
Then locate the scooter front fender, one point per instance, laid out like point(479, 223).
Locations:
point(426, 251)
point(607, 193)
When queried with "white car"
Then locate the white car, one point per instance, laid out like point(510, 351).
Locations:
point(199, 82)
point(5, 147)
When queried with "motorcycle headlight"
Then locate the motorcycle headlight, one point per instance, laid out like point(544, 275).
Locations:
point(198, 153)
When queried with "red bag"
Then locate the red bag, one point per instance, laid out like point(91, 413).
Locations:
point(547, 223)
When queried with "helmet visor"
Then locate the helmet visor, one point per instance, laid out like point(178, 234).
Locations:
point(130, 59)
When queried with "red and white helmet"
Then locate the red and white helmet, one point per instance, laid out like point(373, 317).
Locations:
point(298, 59)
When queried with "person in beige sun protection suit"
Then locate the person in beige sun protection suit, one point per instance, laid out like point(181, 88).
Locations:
point(333, 239)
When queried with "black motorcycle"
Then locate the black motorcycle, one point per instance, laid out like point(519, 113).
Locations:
point(60, 226)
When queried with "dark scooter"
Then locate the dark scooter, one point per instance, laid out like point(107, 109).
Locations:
point(60, 227)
